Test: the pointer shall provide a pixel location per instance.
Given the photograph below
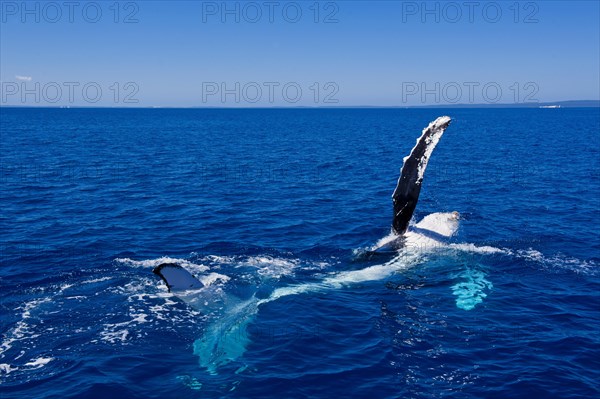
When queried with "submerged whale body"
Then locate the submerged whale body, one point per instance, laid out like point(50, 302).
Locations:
point(227, 339)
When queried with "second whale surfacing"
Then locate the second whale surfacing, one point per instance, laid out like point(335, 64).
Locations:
point(226, 339)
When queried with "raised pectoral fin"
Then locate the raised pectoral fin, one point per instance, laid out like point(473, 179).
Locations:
point(176, 277)
point(406, 194)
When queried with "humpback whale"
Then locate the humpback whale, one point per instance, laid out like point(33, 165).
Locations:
point(433, 229)
point(226, 340)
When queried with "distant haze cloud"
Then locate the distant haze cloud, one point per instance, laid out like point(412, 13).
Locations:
point(25, 78)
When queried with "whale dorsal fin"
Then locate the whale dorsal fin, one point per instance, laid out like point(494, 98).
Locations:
point(407, 191)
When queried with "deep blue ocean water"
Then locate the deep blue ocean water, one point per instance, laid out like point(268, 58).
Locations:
point(93, 199)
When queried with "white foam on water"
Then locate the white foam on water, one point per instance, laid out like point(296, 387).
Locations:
point(77, 297)
point(268, 266)
point(65, 287)
point(162, 311)
point(7, 368)
point(22, 330)
point(139, 318)
point(144, 309)
point(31, 305)
point(481, 250)
point(560, 261)
point(190, 266)
point(112, 334)
point(138, 288)
point(530, 254)
point(218, 259)
point(212, 278)
point(96, 280)
point(39, 362)
point(152, 303)
point(167, 312)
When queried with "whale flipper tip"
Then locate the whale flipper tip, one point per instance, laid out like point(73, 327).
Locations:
point(176, 277)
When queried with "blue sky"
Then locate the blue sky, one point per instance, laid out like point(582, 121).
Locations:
point(297, 53)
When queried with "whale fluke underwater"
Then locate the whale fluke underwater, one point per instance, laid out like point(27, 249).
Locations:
point(221, 340)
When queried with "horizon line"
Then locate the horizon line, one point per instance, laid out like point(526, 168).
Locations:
point(584, 104)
